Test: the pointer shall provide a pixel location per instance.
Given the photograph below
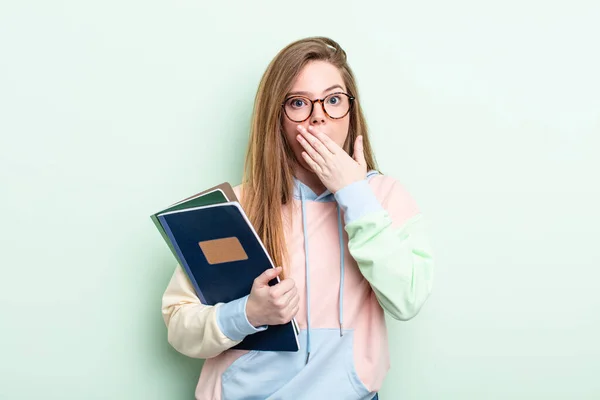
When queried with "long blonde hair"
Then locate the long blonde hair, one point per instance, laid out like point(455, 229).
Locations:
point(268, 171)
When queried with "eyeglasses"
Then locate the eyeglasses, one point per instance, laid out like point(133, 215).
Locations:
point(300, 108)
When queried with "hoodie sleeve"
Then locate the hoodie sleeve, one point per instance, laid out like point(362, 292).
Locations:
point(387, 239)
point(198, 330)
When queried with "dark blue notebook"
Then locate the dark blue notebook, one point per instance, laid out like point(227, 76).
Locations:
point(222, 255)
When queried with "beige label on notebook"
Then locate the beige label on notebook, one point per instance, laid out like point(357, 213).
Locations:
point(225, 250)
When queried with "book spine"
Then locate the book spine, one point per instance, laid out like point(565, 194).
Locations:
point(185, 265)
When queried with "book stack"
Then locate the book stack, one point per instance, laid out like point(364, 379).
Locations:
point(213, 240)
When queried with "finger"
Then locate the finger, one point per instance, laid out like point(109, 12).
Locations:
point(315, 142)
point(359, 152)
point(295, 308)
point(282, 287)
point(287, 298)
point(311, 163)
point(329, 144)
point(293, 302)
point(310, 149)
point(264, 278)
point(290, 314)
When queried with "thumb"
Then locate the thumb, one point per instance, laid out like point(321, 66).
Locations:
point(264, 278)
point(359, 155)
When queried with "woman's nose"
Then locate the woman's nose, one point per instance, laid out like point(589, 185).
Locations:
point(318, 114)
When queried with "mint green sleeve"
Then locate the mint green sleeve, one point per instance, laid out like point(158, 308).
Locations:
point(387, 238)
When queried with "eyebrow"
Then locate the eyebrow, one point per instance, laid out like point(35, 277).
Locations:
point(308, 94)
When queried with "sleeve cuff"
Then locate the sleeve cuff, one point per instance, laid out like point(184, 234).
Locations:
point(233, 322)
point(357, 200)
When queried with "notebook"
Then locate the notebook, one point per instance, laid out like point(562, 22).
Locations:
point(216, 245)
point(214, 195)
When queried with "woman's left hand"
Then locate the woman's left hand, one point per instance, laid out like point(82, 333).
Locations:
point(334, 167)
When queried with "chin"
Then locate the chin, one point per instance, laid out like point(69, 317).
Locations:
point(305, 166)
point(302, 163)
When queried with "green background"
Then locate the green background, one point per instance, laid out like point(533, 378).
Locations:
point(487, 112)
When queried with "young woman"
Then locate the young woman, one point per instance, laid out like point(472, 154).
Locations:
point(350, 241)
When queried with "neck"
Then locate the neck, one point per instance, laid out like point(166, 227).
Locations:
point(310, 179)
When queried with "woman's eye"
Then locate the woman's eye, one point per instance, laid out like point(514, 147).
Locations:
point(334, 100)
point(298, 103)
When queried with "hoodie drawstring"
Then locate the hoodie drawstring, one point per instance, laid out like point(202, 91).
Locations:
point(307, 275)
point(307, 271)
point(341, 234)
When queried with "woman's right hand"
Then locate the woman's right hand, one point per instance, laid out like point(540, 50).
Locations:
point(272, 305)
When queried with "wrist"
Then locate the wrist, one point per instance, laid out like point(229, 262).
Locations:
point(342, 185)
point(356, 200)
point(232, 320)
point(251, 314)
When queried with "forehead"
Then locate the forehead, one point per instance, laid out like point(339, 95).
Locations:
point(316, 76)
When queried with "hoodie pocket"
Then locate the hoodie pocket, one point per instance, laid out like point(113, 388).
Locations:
point(239, 363)
point(258, 374)
point(330, 372)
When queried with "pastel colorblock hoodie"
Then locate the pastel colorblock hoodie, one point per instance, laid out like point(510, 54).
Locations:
point(353, 255)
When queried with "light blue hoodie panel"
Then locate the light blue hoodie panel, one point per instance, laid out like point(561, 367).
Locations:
point(329, 373)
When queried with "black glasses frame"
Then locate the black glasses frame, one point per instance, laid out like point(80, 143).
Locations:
point(322, 101)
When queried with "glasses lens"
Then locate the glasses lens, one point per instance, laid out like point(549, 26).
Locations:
point(297, 108)
point(337, 105)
